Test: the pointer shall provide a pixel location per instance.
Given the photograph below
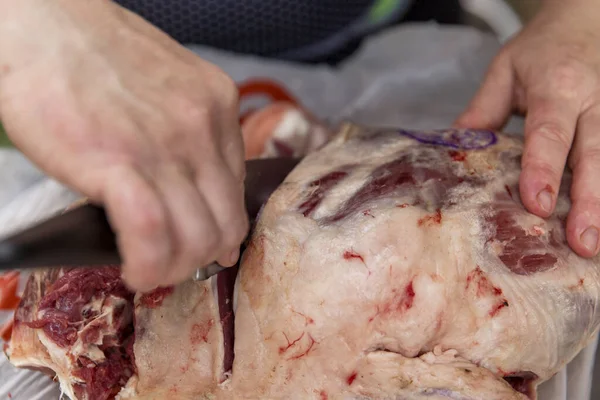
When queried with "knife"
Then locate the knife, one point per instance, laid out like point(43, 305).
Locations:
point(83, 236)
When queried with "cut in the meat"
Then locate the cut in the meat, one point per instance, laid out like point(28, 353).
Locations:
point(390, 264)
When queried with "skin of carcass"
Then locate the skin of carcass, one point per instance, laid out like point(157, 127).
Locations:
point(391, 264)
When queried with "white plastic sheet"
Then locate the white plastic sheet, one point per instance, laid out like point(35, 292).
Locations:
point(415, 76)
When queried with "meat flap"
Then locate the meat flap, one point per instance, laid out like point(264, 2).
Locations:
point(26, 349)
point(179, 340)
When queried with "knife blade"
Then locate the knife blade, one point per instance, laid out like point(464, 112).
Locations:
point(83, 236)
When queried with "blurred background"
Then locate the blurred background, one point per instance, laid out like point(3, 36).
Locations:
point(524, 8)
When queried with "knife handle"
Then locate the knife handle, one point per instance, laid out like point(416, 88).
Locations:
point(80, 237)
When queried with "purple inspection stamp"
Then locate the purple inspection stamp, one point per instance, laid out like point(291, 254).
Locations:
point(462, 139)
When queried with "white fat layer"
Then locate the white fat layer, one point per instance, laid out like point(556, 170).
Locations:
point(105, 308)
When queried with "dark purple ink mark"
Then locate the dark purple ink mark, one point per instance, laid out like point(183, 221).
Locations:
point(464, 139)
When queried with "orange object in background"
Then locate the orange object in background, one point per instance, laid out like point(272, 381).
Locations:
point(267, 88)
point(9, 285)
point(9, 300)
point(282, 128)
point(259, 127)
point(6, 330)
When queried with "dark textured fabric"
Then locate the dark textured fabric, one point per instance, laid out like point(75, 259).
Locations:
point(262, 27)
point(270, 28)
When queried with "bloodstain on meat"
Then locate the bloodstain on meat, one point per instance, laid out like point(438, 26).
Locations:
point(496, 309)
point(155, 298)
point(199, 332)
point(409, 296)
point(522, 382)
point(398, 304)
point(320, 188)
point(323, 395)
point(477, 281)
point(403, 205)
point(522, 253)
point(351, 378)
point(457, 155)
point(483, 286)
point(367, 213)
point(349, 255)
point(289, 345)
point(432, 219)
point(304, 353)
point(308, 320)
point(578, 285)
point(508, 191)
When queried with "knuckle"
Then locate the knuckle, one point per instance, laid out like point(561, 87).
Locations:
point(230, 94)
point(149, 219)
point(586, 203)
point(143, 275)
point(194, 114)
point(197, 247)
point(226, 89)
point(233, 237)
point(567, 77)
point(541, 168)
point(553, 133)
point(587, 159)
point(208, 245)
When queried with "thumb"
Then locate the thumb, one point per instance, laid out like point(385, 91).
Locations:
point(491, 106)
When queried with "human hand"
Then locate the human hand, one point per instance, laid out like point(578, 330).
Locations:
point(117, 110)
point(551, 72)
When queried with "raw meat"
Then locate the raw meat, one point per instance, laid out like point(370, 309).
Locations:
point(77, 323)
point(391, 264)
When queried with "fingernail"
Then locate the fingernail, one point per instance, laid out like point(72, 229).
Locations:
point(589, 238)
point(235, 254)
point(544, 199)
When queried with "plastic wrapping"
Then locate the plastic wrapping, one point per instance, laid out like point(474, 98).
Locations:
point(415, 76)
